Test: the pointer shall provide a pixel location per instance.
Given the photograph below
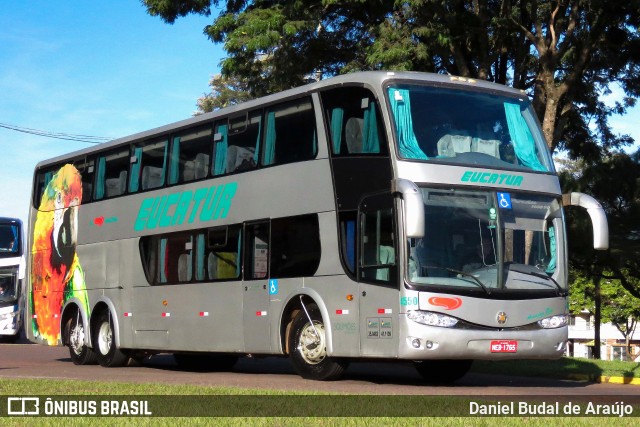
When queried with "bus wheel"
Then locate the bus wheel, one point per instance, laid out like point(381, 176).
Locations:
point(308, 348)
point(104, 342)
point(75, 337)
point(442, 371)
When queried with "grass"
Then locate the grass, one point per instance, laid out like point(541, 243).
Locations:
point(564, 368)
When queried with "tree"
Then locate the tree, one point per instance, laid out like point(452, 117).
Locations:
point(620, 309)
point(615, 182)
point(224, 92)
point(565, 54)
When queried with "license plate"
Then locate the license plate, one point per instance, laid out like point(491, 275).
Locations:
point(504, 346)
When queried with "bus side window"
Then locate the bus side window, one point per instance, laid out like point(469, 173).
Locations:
point(236, 143)
point(295, 250)
point(290, 133)
point(256, 265)
point(43, 177)
point(86, 169)
point(190, 155)
point(111, 174)
point(352, 117)
point(175, 259)
point(348, 239)
point(148, 165)
point(222, 261)
point(377, 239)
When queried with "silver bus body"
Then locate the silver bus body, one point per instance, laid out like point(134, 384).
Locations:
point(373, 211)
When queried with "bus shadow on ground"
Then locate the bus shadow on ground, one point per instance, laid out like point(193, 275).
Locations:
point(379, 373)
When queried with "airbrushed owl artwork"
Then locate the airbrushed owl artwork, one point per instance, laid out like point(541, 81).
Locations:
point(56, 273)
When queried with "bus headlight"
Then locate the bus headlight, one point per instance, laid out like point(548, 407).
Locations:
point(554, 321)
point(432, 319)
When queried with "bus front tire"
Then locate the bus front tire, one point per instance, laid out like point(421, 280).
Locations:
point(104, 343)
point(308, 348)
point(74, 337)
point(442, 371)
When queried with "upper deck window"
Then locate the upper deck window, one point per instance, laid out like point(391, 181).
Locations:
point(353, 121)
point(467, 127)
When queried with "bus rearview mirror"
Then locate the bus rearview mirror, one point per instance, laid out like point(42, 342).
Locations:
point(597, 215)
point(413, 207)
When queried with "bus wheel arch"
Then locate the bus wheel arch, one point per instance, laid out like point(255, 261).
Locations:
point(75, 335)
point(305, 339)
point(104, 338)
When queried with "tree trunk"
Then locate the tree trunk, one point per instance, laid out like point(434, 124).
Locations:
point(597, 317)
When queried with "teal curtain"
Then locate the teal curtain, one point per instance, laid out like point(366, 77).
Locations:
point(270, 139)
point(100, 177)
point(256, 154)
point(220, 152)
point(162, 271)
point(200, 257)
point(337, 116)
point(134, 182)
point(401, 108)
point(523, 143)
point(174, 166)
point(551, 267)
point(164, 162)
point(370, 141)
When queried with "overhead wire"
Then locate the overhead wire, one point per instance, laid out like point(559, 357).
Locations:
point(57, 135)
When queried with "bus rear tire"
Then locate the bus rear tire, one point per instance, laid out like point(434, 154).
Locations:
point(308, 348)
point(74, 337)
point(442, 371)
point(104, 343)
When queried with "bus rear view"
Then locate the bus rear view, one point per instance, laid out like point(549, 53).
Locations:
point(11, 276)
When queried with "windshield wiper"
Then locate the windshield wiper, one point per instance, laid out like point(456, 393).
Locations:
point(561, 292)
point(464, 273)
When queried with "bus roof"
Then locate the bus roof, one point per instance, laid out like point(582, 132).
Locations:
point(372, 78)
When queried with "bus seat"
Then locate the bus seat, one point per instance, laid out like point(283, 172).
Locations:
point(151, 177)
point(116, 186)
point(188, 171)
point(353, 134)
point(237, 156)
point(201, 165)
point(487, 146)
point(184, 268)
point(453, 143)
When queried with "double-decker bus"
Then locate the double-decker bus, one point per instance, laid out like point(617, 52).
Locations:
point(377, 215)
point(12, 267)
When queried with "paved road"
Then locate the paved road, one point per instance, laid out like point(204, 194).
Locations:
point(35, 361)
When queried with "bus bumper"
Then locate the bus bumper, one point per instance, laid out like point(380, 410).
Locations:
point(421, 342)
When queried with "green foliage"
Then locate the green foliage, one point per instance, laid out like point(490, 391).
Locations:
point(224, 92)
point(566, 55)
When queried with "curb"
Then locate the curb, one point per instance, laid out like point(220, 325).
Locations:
point(604, 379)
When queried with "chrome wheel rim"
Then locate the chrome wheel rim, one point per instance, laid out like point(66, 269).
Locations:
point(312, 344)
point(105, 337)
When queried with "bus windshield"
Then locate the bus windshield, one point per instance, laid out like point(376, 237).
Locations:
point(9, 241)
point(489, 241)
point(467, 127)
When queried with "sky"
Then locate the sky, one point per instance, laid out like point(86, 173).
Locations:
point(104, 69)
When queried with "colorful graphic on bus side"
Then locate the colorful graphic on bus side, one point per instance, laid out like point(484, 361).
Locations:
point(56, 273)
